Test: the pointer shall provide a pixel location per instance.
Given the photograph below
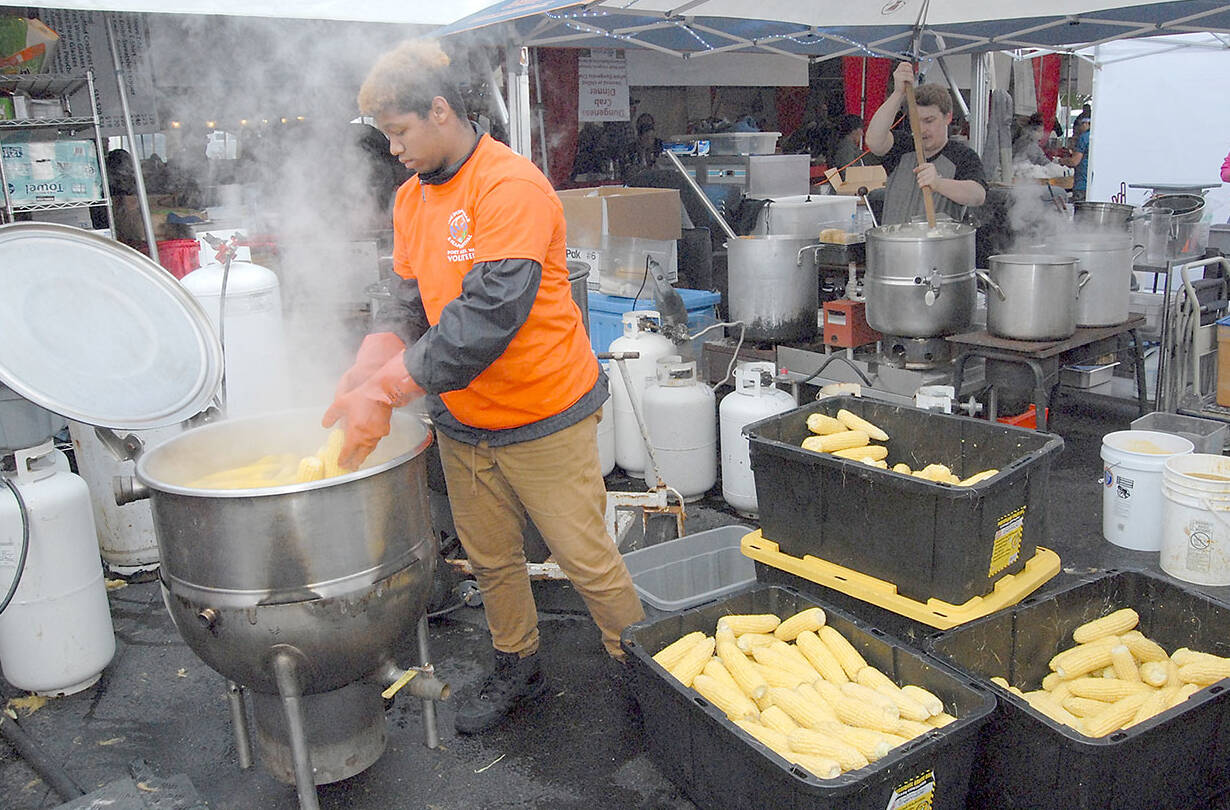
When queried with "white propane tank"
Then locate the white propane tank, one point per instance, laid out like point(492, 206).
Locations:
point(638, 336)
point(55, 635)
point(606, 430)
point(125, 533)
point(255, 342)
point(754, 398)
point(681, 414)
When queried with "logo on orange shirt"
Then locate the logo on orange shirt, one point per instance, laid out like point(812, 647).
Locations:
point(459, 236)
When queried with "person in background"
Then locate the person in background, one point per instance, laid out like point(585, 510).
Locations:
point(483, 325)
point(1225, 169)
point(648, 144)
point(1027, 146)
point(848, 142)
point(952, 170)
point(1078, 159)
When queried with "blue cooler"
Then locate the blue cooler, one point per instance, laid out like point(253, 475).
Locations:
point(606, 312)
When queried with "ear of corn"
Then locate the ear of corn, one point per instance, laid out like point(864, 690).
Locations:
point(811, 618)
point(750, 623)
point(780, 678)
point(1154, 673)
point(692, 663)
point(751, 682)
point(749, 641)
point(1123, 663)
point(874, 745)
point(836, 441)
point(822, 767)
point(311, 468)
point(1154, 704)
point(724, 634)
point(726, 697)
point(976, 477)
point(1083, 706)
point(671, 654)
point(860, 692)
point(940, 720)
point(855, 422)
point(903, 468)
point(714, 669)
point(1084, 658)
point(1118, 715)
point(1107, 689)
point(1114, 624)
point(770, 738)
point(869, 452)
point(849, 658)
point(1184, 692)
point(824, 425)
point(820, 657)
point(1047, 705)
point(929, 701)
point(810, 741)
point(808, 692)
point(776, 658)
point(1143, 649)
point(773, 717)
point(1204, 672)
point(855, 712)
point(909, 729)
point(329, 453)
point(800, 710)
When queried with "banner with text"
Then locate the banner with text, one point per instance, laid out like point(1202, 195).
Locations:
point(602, 79)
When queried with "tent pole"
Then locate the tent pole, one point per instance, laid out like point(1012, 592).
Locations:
point(142, 197)
point(516, 62)
point(540, 115)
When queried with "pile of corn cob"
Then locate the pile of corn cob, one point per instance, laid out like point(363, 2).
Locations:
point(849, 435)
point(1115, 677)
point(280, 469)
point(801, 688)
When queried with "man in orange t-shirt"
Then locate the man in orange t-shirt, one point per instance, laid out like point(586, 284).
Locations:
point(483, 324)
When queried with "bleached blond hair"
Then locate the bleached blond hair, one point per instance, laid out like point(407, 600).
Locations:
point(407, 78)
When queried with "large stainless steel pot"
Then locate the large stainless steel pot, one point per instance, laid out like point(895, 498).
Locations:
point(920, 280)
point(1033, 296)
point(578, 281)
point(1102, 214)
point(1107, 257)
point(1184, 207)
point(336, 570)
point(773, 286)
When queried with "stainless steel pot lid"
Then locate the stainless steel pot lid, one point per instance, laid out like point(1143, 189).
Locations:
point(99, 333)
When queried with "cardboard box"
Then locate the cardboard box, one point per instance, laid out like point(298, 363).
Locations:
point(872, 177)
point(26, 45)
point(643, 213)
point(45, 169)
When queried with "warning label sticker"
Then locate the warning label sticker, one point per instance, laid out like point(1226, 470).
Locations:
point(1007, 547)
point(916, 794)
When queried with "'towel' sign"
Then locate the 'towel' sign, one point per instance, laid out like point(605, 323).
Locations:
point(602, 81)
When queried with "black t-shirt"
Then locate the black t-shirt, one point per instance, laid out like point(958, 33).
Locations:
point(903, 199)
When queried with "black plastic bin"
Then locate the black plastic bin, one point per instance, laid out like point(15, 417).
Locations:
point(1174, 760)
point(720, 766)
point(933, 541)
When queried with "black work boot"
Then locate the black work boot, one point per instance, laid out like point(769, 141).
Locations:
point(515, 681)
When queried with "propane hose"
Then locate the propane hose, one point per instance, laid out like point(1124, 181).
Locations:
point(25, 543)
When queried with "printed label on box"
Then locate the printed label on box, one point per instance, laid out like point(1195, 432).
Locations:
point(916, 794)
point(1009, 530)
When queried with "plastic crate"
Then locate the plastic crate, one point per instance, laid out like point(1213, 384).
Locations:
point(1026, 760)
point(606, 313)
point(1208, 435)
point(720, 766)
point(693, 569)
point(931, 540)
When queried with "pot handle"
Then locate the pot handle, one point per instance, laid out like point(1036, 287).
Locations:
point(984, 276)
point(934, 287)
point(1082, 279)
point(798, 260)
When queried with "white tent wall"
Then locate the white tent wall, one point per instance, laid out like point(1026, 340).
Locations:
point(1159, 116)
point(652, 68)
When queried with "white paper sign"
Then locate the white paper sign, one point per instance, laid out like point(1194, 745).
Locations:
point(602, 81)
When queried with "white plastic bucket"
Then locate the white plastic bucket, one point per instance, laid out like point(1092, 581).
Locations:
point(1132, 463)
point(1196, 518)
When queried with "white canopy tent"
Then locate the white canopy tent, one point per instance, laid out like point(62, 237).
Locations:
point(381, 11)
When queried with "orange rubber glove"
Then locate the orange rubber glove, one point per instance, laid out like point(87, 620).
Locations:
point(374, 352)
point(366, 410)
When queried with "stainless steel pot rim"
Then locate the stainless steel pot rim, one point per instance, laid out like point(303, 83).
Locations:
point(920, 231)
point(1097, 205)
point(774, 237)
point(1042, 259)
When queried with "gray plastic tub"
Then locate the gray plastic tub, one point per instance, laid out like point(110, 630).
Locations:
point(1208, 435)
point(691, 570)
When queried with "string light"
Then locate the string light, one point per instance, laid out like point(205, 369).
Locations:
point(692, 31)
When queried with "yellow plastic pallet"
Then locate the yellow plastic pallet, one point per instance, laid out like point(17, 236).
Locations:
point(1009, 589)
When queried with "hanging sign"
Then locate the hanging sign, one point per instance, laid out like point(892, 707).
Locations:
point(602, 81)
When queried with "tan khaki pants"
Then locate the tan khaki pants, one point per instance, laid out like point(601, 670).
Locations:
point(558, 480)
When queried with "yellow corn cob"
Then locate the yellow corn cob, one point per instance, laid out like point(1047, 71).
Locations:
point(909, 708)
point(726, 697)
point(693, 661)
point(745, 674)
point(714, 669)
point(856, 422)
point(869, 452)
point(750, 623)
point(775, 656)
point(934, 472)
point(1184, 692)
point(1061, 691)
point(1047, 705)
point(1172, 674)
point(909, 729)
point(855, 712)
point(940, 720)
point(1107, 689)
point(749, 641)
point(808, 692)
point(830, 692)
point(1051, 680)
point(824, 425)
point(672, 653)
point(801, 710)
point(1143, 648)
point(1204, 673)
point(811, 618)
point(778, 677)
point(331, 450)
point(868, 695)
point(1084, 658)
point(1183, 655)
point(810, 741)
point(1112, 624)
point(871, 462)
point(929, 701)
point(903, 468)
point(1015, 690)
point(820, 657)
point(794, 654)
point(1154, 704)
point(773, 717)
point(1084, 707)
point(772, 739)
point(1001, 682)
point(1116, 717)
point(311, 468)
point(849, 658)
point(1107, 671)
point(836, 441)
point(1154, 673)
point(1123, 663)
point(823, 767)
point(724, 633)
point(976, 477)
point(873, 745)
